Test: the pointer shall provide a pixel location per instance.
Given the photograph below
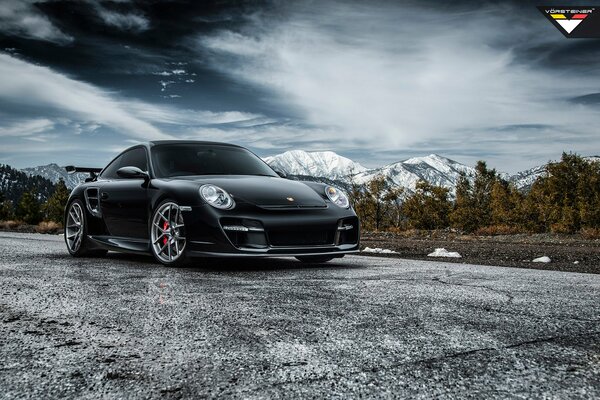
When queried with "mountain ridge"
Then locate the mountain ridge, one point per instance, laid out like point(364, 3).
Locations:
point(54, 172)
point(331, 167)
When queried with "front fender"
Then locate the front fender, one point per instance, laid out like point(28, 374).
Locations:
point(183, 193)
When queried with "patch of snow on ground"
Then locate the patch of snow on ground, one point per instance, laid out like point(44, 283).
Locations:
point(441, 252)
point(544, 259)
point(377, 250)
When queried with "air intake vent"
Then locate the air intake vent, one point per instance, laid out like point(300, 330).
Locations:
point(317, 236)
point(244, 233)
point(92, 202)
point(347, 231)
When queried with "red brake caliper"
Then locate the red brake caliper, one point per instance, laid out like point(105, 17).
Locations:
point(165, 227)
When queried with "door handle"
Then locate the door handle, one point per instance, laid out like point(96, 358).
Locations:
point(104, 196)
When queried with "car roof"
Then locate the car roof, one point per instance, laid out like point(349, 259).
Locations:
point(161, 142)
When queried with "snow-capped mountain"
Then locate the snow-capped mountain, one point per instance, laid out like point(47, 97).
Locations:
point(317, 164)
point(54, 172)
point(435, 169)
point(524, 179)
point(326, 165)
point(335, 169)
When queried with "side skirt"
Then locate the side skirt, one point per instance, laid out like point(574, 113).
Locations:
point(128, 245)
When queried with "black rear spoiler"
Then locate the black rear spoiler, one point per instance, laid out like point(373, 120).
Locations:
point(92, 171)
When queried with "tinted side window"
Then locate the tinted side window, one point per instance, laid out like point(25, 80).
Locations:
point(111, 171)
point(135, 158)
point(132, 158)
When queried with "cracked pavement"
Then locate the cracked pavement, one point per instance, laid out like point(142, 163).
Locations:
point(125, 327)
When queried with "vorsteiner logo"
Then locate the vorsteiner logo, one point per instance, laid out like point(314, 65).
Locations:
point(574, 21)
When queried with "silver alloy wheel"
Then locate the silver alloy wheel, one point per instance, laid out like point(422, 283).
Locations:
point(167, 234)
point(74, 229)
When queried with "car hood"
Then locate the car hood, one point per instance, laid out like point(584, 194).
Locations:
point(265, 191)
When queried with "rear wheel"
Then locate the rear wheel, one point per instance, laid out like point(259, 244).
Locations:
point(314, 259)
point(76, 232)
point(167, 234)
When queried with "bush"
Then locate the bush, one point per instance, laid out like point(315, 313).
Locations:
point(10, 224)
point(590, 233)
point(497, 230)
point(48, 227)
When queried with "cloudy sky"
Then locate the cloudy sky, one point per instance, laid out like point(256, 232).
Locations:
point(377, 82)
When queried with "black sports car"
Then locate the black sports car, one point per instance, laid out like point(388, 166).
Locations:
point(184, 199)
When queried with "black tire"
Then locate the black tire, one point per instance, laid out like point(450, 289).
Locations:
point(166, 233)
point(75, 223)
point(315, 259)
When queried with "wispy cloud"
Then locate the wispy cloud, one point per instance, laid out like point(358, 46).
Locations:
point(21, 17)
point(34, 86)
point(26, 127)
point(131, 21)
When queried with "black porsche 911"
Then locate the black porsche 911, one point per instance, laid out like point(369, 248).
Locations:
point(184, 199)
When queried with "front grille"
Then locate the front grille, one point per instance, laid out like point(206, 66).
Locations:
point(310, 237)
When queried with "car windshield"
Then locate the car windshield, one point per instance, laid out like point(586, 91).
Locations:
point(170, 160)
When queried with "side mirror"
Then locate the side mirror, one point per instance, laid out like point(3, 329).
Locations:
point(281, 174)
point(132, 173)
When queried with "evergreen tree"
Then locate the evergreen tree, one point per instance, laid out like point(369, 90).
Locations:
point(472, 208)
point(461, 216)
point(55, 206)
point(363, 205)
point(28, 209)
point(567, 198)
point(482, 193)
point(378, 188)
point(428, 207)
point(588, 196)
point(394, 197)
point(14, 183)
point(505, 205)
point(6, 208)
point(535, 211)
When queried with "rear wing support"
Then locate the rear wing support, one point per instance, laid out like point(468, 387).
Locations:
point(92, 171)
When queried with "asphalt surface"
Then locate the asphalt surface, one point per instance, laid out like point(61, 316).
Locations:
point(126, 327)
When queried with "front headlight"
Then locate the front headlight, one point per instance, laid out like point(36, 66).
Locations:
point(216, 197)
point(337, 197)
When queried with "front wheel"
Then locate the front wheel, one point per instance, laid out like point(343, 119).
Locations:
point(167, 234)
point(314, 259)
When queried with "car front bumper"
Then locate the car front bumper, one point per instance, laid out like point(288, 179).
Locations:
point(249, 231)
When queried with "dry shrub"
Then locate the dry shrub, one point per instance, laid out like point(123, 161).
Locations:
point(48, 227)
point(590, 233)
point(404, 232)
point(396, 230)
point(561, 227)
point(10, 224)
point(415, 233)
point(496, 230)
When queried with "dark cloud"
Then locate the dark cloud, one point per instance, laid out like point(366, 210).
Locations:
point(588, 99)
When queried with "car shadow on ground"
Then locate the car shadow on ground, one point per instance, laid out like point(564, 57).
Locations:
point(237, 264)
